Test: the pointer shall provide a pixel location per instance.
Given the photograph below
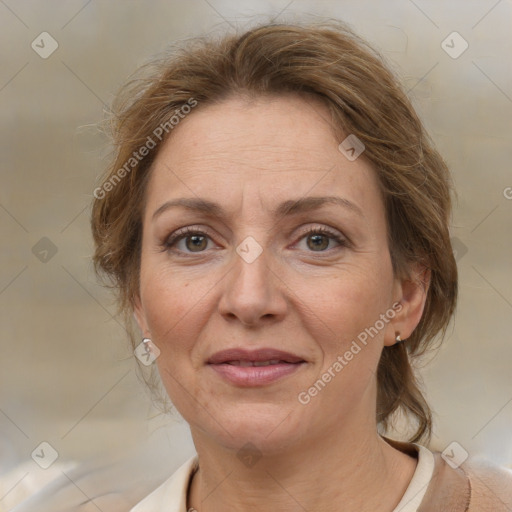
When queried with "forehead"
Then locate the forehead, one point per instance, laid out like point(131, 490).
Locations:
point(269, 146)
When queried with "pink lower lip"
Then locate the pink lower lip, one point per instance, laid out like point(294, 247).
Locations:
point(248, 376)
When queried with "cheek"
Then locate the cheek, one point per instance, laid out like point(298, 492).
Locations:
point(350, 346)
point(343, 317)
point(350, 301)
point(175, 321)
point(171, 308)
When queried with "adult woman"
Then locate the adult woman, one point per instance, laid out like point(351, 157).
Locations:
point(282, 239)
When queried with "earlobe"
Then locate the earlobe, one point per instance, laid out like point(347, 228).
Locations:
point(412, 298)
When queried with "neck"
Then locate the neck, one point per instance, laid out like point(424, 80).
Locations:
point(356, 468)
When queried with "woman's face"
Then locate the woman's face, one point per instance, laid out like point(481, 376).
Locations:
point(259, 234)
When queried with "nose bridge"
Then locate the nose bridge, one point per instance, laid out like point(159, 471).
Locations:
point(251, 270)
point(251, 291)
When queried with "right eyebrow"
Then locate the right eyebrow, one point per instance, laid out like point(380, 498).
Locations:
point(194, 204)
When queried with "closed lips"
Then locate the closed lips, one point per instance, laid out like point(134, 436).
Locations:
point(253, 368)
point(257, 363)
point(259, 357)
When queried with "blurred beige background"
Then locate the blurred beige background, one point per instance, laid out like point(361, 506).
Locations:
point(66, 376)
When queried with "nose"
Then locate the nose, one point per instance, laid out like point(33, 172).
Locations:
point(253, 293)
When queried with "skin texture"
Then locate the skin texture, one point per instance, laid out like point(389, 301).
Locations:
point(306, 294)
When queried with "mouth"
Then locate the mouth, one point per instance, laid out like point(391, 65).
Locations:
point(245, 368)
point(243, 362)
point(256, 357)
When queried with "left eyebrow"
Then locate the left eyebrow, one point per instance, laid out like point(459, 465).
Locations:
point(287, 208)
point(307, 204)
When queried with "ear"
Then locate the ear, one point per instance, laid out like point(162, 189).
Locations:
point(140, 317)
point(410, 295)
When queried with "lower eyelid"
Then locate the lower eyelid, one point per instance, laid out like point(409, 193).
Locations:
point(339, 244)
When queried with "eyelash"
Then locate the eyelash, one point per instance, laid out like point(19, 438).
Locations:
point(179, 235)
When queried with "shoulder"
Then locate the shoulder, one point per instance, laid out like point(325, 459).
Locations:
point(491, 487)
point(474, 486)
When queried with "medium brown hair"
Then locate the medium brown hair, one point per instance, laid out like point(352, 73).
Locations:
point(333, 64)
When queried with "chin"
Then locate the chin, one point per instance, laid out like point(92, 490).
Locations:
point(271, 428)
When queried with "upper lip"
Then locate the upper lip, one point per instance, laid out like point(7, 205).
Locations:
point(258, 355)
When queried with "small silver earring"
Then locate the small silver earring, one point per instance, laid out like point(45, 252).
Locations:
point(147, 346)
point(398, 339)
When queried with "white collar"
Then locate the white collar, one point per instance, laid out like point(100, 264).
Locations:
point(171, 496)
